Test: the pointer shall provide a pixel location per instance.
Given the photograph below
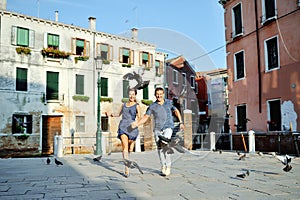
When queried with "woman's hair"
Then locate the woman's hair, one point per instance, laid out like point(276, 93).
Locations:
point(132, 89)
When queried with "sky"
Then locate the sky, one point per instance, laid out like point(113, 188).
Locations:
point(192, 28)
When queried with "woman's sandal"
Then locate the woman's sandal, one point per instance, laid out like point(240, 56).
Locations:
point(126, 174)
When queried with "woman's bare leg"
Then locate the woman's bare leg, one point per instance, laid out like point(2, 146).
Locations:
point(125, 143)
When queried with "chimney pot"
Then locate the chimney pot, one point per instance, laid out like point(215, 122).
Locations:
point(92, 22)
point(2, 4)
point(56, 16)
point(134, 32)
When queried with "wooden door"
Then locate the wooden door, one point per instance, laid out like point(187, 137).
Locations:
point(51, 127)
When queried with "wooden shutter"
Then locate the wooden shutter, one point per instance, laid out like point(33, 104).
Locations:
point(150, 61)
point(14, 35)
point(110, 52)
point(86, 48)
point(21, 80)
point(31, 38)
point(73, 46)
point(141, 58)
point(121, 55)
point(52, 86)
point(125, 88)
point(45, 40)
point(131, 57)
point(104, 86)
point(79, 84)
point(98, 50)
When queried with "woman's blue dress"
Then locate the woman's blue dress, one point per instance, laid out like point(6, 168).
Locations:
point(128, 116)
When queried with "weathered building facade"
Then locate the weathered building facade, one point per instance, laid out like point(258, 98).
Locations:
point(263, 60)
point(48, 80)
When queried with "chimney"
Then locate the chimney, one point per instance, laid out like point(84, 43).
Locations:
point(92, 22)
point(134, 32)
point(2, 4)
point(56, 16)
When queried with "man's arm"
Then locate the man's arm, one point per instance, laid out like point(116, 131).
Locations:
point(140, 121)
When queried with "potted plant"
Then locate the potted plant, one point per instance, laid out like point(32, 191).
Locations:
point(23, 50)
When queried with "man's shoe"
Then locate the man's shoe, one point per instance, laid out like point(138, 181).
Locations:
point(168, 171)
point(163, 171)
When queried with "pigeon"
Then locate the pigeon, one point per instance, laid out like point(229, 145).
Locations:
point(97, 159)
point(48, 161)
point(57, 162)
point(220, 152)
point(243, 175)
point(242, 157)
point(285, 160)
point(138, 78)
point(131, 164)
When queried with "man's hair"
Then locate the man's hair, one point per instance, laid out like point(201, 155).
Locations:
point(158, 89)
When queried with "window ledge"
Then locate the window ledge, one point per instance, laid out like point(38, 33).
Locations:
point(59, 60)
point(266, 21)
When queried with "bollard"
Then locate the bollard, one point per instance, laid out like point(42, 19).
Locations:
point(58, 146)
point(251, 140)
point(212, 141)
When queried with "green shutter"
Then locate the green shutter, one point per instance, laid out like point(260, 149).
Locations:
point(21, 81)
point(146, 93)
point(80, 43)
point(125, 88)
point(52, 86)
point(104, 87)
point(145, 56)
point(53, 40)
point(126, 52)
point(104, 47)
point(23, 37)
point(79, 84)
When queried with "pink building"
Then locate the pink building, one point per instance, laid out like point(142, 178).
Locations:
point(263, 59)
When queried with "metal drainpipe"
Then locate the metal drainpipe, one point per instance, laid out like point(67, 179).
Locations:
point(258, 58)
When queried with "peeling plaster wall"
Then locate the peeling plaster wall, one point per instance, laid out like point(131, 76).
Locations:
point(288, 116)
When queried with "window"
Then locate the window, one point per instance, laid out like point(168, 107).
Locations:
point(269, 11)
point(104, 87)
point(239, 65)
point(192, 81)
point(80, 124)
point(52, 86)
point(146, 59)
point(80, 47)
point(104, 51)
point(146, 92)
point(80, 84)
point(196, 87)
point(52, 41)
point(271, 54)
point(21, 80)
point(125, 88)
point(241, 119)
point(22, 37)
point(183, 79)
point(274, 108)
point(175, 77)
point(125, 55)
point(104, 123)
point(237, 25)
point(21, 123)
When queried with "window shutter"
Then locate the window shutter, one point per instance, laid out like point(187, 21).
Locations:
point(125, 88)
point(141, 58)
point(31, 38)
point(146, 93)
point(161, 68)
point(14, 35)
point(131, 57)
point(86, 48)
point(150, 61)
point(21, 80)
point(45, 40)
point(120, 55)
point(104, 86)
point(73, 45)
point(52, 86)
point(79, 84)
point(98, 49)
point(110, 53)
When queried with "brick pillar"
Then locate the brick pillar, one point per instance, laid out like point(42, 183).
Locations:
point(149, 143)
point(188, 130)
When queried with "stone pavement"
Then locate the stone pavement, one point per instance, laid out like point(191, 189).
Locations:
point(204, 175)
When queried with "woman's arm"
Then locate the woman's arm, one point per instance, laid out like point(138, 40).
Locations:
point(138, 112)
point(178, 115)
point(115, 115)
